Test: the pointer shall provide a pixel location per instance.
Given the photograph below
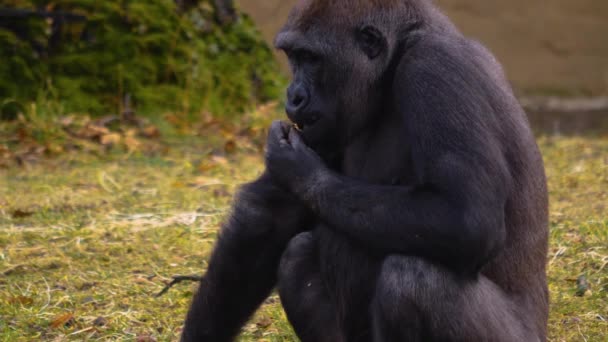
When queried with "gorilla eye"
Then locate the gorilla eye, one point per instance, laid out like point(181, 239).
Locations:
point(371, 40)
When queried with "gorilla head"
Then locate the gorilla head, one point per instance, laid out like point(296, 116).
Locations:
point(341, 56)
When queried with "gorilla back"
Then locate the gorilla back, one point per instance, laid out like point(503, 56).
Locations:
point(410, 203)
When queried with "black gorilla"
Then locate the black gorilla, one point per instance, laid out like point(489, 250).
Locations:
point(409, 201)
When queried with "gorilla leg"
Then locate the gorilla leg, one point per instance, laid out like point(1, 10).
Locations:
point(243, 267)
point(303, 293)
point(416, 300)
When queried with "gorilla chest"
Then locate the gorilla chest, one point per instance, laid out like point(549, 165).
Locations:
point(385, 160)
point(382, 161)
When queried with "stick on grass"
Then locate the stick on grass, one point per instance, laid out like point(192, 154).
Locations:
point(176, 280)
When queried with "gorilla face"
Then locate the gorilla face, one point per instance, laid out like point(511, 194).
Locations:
point(334, 92)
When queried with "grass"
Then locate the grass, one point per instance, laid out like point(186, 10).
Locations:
point(87, 241)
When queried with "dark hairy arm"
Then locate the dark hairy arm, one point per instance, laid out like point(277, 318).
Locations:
point(457, 223)
point(243, 265)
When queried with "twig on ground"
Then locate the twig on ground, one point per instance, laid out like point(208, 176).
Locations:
point(176, 280)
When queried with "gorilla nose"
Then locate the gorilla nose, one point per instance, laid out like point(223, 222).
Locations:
point(297, 100)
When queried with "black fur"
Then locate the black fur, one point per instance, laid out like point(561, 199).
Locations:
point(413, 207)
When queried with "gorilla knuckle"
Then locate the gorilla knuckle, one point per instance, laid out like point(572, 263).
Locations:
point(276, 124)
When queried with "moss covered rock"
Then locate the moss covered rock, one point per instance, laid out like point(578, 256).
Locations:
point(163, 57)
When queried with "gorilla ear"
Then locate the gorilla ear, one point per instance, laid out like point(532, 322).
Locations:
point(371, 41)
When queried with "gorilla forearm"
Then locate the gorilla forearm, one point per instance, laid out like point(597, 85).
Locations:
point(421, 221)
point(222, 304)
point(242, 269)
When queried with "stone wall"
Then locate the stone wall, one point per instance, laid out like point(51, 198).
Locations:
point(548, 47)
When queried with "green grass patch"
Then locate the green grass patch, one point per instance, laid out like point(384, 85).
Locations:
point(86, 241)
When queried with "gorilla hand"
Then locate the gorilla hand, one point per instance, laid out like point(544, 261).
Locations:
point(290, 162)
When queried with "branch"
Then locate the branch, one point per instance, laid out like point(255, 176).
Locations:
point(176, 280)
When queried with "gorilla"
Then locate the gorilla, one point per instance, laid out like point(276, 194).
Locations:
point(405, 201)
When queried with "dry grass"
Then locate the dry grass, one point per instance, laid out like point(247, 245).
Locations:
point(86, 242)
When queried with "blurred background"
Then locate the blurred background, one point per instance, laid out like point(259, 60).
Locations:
point(556, 47)
point(126, 126)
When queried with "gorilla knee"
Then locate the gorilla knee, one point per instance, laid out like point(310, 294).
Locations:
point(298, 252)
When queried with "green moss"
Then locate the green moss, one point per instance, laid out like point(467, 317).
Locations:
point(165, 59)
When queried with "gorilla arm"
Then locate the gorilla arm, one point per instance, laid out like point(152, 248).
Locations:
point(243, 266)
point(454, 222)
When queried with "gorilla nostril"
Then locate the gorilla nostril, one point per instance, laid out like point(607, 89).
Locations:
point(298, 97)
point(297, 100)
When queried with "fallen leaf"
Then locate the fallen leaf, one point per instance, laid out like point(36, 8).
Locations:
point(150, 132)
point(206, 165)
point(145, 338)
point(110, 139)
point(23, 300)
point(219, 160)
point(264, 322)
point(21, 213)
point(66, 120)
point(92, 132)
point(66, 319)
point(230, 147)
point(178, 184)
point(132, 143)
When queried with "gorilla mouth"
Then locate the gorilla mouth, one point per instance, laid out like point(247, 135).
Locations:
point(300, 125)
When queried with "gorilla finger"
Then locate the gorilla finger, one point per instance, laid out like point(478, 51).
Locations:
point(286, 127)
point(295, 139)
point(277, 131)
